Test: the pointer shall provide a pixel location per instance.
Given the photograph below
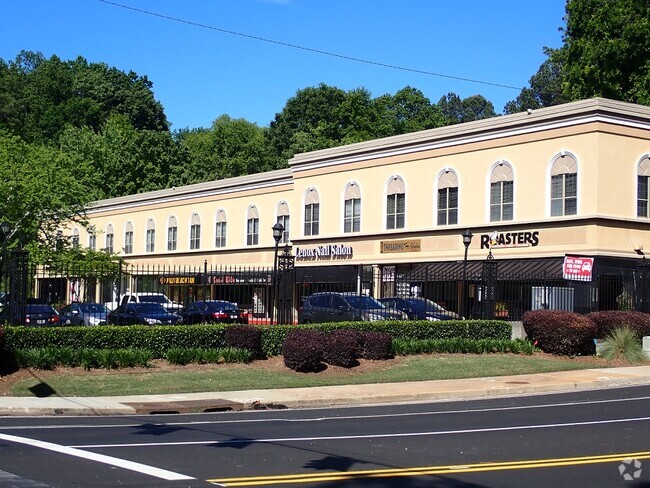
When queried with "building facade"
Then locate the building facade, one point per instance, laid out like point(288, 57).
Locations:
point(563, 189)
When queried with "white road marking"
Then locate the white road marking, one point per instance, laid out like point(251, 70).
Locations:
point(100, 458)
point(368, 436)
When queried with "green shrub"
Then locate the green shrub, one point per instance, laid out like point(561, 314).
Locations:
point(87, 358)
point(236, 355)
point(66, 356)
point(181, 356)
point(210, 356)
point(623, 343)
point(42, 358)
point(106, 358)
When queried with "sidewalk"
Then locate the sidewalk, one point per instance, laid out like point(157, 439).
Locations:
point(421, 391)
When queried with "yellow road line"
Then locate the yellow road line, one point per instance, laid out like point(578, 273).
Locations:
point(427, 470)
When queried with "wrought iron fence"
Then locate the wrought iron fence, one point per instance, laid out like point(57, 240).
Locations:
point(484, 290)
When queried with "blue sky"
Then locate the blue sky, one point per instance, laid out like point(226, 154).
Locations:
point(200, 73)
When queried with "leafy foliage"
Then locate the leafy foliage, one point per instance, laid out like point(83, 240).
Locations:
point(560, 332)
point(609, 320)
point(40, 97)
point(245, 337)
point(303, 350)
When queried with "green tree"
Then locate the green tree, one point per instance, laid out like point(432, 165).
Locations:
point(41, 96)
point(125, 161)
point(607, 50)
point(231, 147)
point(321, 117)
point(42, 193)
point(455, 111)
point(406, 111)
point(545, 86)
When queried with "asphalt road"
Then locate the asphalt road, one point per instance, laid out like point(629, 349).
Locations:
point(575, 439)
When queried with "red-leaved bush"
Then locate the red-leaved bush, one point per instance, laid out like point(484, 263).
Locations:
point(610, 320)
point(245, 337)
point(303, 350)
point(560, 332)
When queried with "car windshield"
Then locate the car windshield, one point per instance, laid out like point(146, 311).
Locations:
point(424, 304)
point(363, 302)
point(153, 299)
point(150, 308)
point(96, 308)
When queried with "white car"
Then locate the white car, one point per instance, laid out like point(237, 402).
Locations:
point(152, 297)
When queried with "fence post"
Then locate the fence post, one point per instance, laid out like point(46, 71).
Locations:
point(286, 282)
point(18, 286)
point(490, 270)
point(642, 299)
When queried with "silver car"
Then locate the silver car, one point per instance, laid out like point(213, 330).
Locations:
point(84, 314)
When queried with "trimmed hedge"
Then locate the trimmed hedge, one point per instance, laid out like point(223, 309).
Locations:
point(159, 339)
point(560, 332)
point(303, 350)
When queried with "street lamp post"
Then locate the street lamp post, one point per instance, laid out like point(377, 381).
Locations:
point(467, 240)
point(278, 229)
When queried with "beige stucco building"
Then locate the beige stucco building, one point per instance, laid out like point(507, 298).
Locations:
point(569, 180)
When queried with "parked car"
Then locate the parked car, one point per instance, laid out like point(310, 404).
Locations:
point(213, 311)
point(420, 308)
point(340, 307)
point(33, 314)
point(151, 297)
point(79, 313)
point(142, 313)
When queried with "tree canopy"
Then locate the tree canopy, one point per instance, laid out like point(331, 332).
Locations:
point(39, 97)
point(606, 53)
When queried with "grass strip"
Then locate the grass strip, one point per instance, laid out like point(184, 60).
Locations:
point(233, 377)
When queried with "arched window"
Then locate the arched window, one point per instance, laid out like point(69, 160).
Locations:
point(128, 238)
point(151, 236)
point(285, 220)
point(172, 233)
point(195, 232)
point(312, 213)
point(92, 238)
point(447, 203)
point(252, 226)
point(220, 229)
point(501, 193)
point(564, 185)
point(643, 188)
point(352, 202)
point(395, 204)
point(110, 239)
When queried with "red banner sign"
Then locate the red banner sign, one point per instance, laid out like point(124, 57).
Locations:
point(577, 268)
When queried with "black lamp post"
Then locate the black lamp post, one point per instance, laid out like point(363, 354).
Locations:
point(467, 240)
point(6, 229)
point(278, 229)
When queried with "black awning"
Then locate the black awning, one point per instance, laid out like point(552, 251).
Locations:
point(327, 274)
point(508, 269)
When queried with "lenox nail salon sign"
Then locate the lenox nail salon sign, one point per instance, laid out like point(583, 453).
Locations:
point(325, 252)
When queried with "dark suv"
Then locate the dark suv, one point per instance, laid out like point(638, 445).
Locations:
point(340, 307)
